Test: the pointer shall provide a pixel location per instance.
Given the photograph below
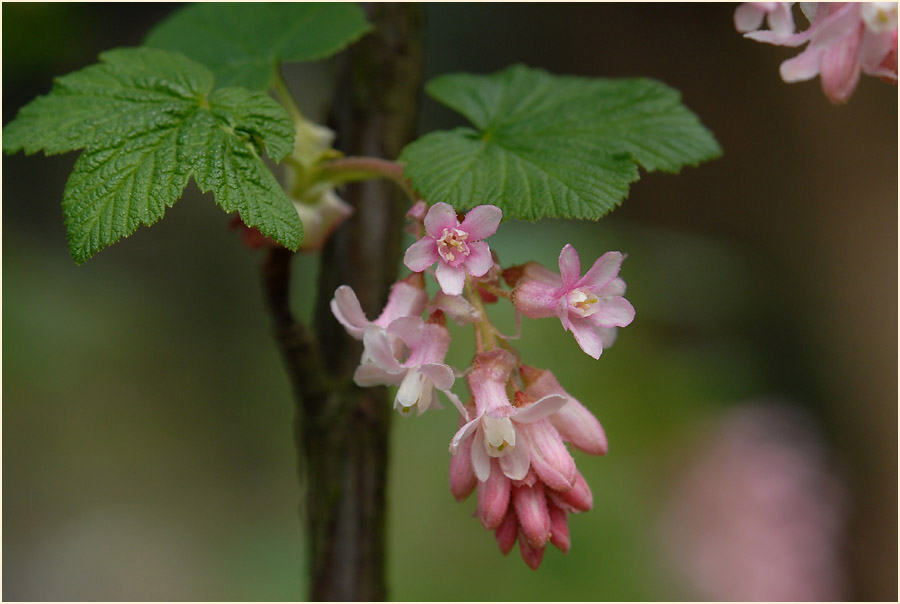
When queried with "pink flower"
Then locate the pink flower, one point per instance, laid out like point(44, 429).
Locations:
point(519, 437)
point(407, 298)
point(456, 246)
point(424, 346)
point(749, 17)
point(514, 455)
point(588, 306)
point(845, 39)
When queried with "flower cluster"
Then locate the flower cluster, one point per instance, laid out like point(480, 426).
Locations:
point(845, 39)
point(511, 443)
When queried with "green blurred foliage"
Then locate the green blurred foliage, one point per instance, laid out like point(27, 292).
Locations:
point(147, 443)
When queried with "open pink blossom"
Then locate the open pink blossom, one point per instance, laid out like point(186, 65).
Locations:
point(845, 39)
point(519, 437)
point(456, 246)
point(419, 367)
point(588, 306)
point(407, 298)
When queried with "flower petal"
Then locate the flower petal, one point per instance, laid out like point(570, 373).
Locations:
point(540, 409)
point(840, 68)
point(432, 346)
point(781, 21)
point(463, 433)
point(604, 270)
point(408, 329)
point(452, 279)
point(480, 260)
point(407, 298)
point(441, 375)
point(346, 309)
point(481, 222)
point(615, 311)
point(748, 17)
point(441, 216)
point(370, 374)
point(481, 462)
point(804, 66)
point(378, 347)
point(587, 338)
point(569, 266)
point(420, 255)
point(412, 389)
point(515, 463)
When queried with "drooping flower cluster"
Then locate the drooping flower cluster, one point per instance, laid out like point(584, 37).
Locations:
point(511, 443)
point(845, 39)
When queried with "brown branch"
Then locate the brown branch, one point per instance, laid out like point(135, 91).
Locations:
point(341, 429)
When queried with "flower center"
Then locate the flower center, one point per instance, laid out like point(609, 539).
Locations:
point(499, 435)
point(583, 303)
point(452, 245)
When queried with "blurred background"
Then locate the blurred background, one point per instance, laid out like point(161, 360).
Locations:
point(751, 408)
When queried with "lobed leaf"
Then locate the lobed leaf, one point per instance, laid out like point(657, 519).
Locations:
point(147, 120)
point(552, 146)
point(242, 42)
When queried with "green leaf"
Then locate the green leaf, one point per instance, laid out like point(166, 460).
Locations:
point(147, 120)
point(243, 42)
point(552, 146)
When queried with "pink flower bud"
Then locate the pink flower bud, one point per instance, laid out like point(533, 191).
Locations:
point(493, 498)
point(559, 528)
point(462, 478)
point(507, 532)
point(576, 499)
point(531, 509)
point(575, 423)
point(549, 458)
point(531, 555)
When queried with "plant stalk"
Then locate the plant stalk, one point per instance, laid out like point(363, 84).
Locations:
point(342, 430)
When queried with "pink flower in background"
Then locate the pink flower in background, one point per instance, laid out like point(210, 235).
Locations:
point(845, 39)
point(587, 306)
point(457, 247)
point(756, 511)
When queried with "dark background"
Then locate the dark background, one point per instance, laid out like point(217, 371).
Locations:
point(147, 446)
